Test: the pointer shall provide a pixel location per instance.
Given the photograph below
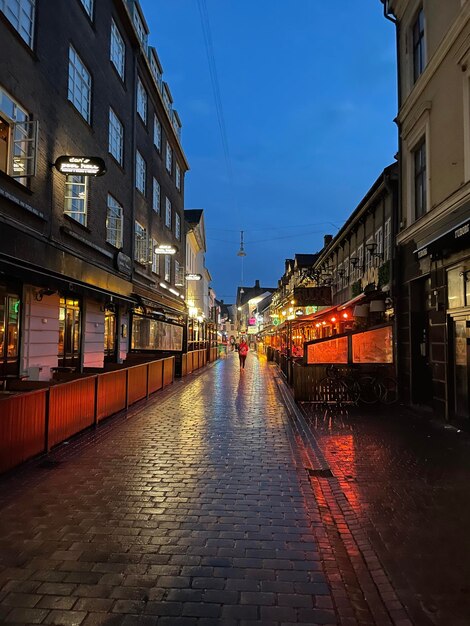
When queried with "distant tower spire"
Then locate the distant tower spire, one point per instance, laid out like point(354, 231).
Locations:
point(242, 254)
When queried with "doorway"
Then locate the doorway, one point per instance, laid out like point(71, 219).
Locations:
point(461, 366)
point(69, 333)
point(421, 372)
point(9, 332)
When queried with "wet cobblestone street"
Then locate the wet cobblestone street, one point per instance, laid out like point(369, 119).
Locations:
point(212, 505)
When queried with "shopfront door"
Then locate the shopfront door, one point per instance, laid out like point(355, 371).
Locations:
point(421, 372)
point(110, 342)
point(461, 341)
point(9, 331)
point(69, 333)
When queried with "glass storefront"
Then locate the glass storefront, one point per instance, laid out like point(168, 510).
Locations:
point(69, 333)
point(9, 331)
point(110, 336)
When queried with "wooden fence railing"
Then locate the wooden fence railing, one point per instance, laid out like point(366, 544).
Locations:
point(35, 421)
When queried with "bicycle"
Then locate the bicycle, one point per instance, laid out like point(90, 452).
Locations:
point(336, 388)
point(363, 388)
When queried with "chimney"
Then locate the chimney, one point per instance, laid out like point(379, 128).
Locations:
point(327, 239)
point(257, 284)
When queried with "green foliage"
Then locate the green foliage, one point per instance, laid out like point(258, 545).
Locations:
point(356, 288)
point(384, 274)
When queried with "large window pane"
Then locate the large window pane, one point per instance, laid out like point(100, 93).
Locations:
point(20, 13)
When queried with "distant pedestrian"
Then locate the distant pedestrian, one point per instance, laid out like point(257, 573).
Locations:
point(242, 352)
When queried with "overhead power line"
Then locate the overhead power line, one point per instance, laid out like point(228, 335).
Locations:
point(206, 31)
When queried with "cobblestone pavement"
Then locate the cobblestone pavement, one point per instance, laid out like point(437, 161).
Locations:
point(405, 482)
point(195, 510)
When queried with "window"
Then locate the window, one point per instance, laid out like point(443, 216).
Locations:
point(118, 50)
point(179, 277)
point(88, 6)
point(167, 268)
point(114, 222)
point(169, 158)
point(155, 67)
point(369, 255)
point(141, 101)
point(157, 133)
point(378, 246)
point(167, 213)
point(177, 226)
point(18, 139)
point(351, 269)
point(360, 263)
point(419, 51)
point(20, 14)
point(155, 258)
point(419, 158)
point(156, 196)
point(116, 136)
point(76, 198)
point(79, 92)
point(178, 177)
point(387, 240)
point(139, 27)
point(345, 280)
point(140, 172)
point(140, 243)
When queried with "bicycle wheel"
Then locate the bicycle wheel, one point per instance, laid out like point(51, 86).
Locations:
point(329, 390)
point(369, 390)
point(353, 389)
point(389, 390)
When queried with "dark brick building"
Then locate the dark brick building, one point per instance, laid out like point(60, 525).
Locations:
point(80, 281)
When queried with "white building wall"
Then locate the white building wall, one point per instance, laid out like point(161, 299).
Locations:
point(93, 341)
point(40, 334)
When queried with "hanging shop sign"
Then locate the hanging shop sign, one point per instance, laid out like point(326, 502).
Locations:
point(276, 321)
point(252, 321)
point(312, 296)
point(193, 276)
point(80, 166)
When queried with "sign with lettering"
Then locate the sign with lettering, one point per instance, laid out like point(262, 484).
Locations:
point(312, 296)
point(124, 263)
point(80, 166)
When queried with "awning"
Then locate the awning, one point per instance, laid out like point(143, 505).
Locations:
point(354, 300)
point(454, 237)
point(40, 278)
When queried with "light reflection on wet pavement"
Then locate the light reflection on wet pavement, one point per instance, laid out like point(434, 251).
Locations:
point(408, 482)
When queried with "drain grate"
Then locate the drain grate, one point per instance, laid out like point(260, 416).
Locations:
point(323, 472)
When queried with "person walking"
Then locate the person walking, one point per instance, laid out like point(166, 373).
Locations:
point(242, 352)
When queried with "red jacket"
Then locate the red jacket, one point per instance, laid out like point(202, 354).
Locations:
point(243, 349)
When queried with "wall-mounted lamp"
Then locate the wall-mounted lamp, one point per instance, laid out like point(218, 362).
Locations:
point(354, 260)
point(44, 292)
point(371, 247)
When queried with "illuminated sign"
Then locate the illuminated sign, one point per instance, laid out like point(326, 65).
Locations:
point(252, 321)
point(80, 165)
point(193, 276)
point(276, 321)
point(164, 249)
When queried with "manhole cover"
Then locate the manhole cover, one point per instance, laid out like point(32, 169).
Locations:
point(324, 472)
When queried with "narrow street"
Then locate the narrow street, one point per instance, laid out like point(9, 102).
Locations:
point(213, 504)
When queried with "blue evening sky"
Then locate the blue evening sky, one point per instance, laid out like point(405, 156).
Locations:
point(308, 92)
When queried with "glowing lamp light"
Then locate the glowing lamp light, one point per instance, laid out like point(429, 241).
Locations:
point(284, 312)
point(323, 323)
point(165, 249)
point(333, 319)
point(345, 315)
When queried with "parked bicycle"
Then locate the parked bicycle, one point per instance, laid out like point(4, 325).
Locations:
point(347, 386)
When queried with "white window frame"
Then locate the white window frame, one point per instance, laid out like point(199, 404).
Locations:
point(178, 176)
point(139, 28)
point(155, 258)
point(19, 13)
point(22, 137)
point(350, 268)
point(117, 50)
point(114, 220)
point(76, 198)
point(379, 242)
point(387, 239)
point(140, 243)
point(167, 268)
point(169, 158)
point(179, 278)
point(369, 257)
point(360, 265)
point(177, 226)
point(157, 133)
point(115, 137)
point(156, 196)
point(167, 212)
point(140, 172)
point(79, 85)
point(411, 139)
point(142, 100)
